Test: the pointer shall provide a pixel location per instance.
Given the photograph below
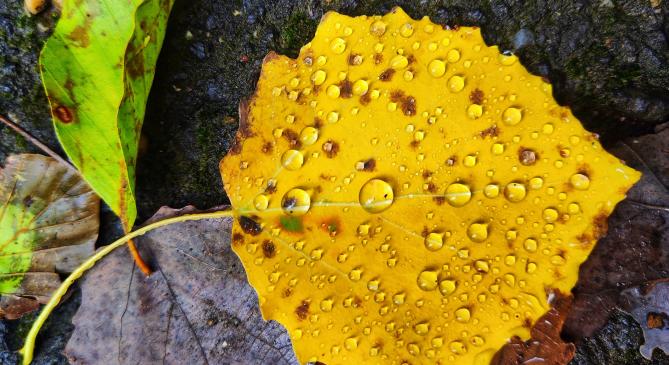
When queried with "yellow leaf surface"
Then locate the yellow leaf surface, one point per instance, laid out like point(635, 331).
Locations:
point(406, 193)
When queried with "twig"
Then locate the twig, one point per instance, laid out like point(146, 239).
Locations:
point(35, 141)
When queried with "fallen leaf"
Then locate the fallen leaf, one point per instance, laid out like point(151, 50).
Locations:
point(196, 308)
point(49, 221)
point(97, 68)
point(406, 193)
point(545, 347)
point(636, 247)
point(649, 305)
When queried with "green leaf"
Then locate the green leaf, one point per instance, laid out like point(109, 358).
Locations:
point(49, 220)
point(97, 70)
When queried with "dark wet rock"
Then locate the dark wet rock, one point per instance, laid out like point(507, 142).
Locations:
point(617, 343)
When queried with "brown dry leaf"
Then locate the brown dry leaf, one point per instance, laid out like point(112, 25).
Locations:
point(636, 248)
point(49, 220)
point(545, 347)
point(196, 308)
point(649, 305)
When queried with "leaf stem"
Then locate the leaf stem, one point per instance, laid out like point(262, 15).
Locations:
point(35, 141)
point(143, 266)
point(29, 346)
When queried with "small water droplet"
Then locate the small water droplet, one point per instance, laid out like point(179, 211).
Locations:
point(456, 83)
point(458, 347)
point(434, 241)
point(530, 245)
point(453, 55)
point(376, 196)
point(469, 161)
point(515, 192)
point(497, 149)
point(491, 191)
point(351, 343)
point(447, 286)
point(292, 159)
point(474, 111)
point(309, 135)
point(477, 232)
point(399, 62)
point(427, 280)
point(422, 328)
point(406, 30)
point(550, 215)
point(355, 274)
point(338, 45)
point(378, 28)
point(437, 68)
point(462, 314)
point(318, 77)
point(580, 181)
point(512, 116)
point(261, 202)
point(360, 87)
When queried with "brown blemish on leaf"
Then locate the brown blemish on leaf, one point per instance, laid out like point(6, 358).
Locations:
point(345, 89)
point(250, 225)
point(237, 238)
point(451, 160)
point(387, 75)
point(657, 320)
point(271, 187)
point(287, 292)
point(354, 59)
point(600, 224)
point(439, 200)
point(267, 148)
point(527, 156)
point(476, 96)
point(268, 249)
point(431, 188)
point(331, 226)
point(293, 138)
point(369, 165)
point(378, 58)
point(302, 311)
point(331, 148)
point(365, 99)
point(318, 123)
point(407, 102)
point(63, 114)
point(492, 131)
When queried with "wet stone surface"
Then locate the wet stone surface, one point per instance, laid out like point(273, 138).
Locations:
point(606, 59)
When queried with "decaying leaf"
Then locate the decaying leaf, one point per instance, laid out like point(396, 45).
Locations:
point(545, 347)
point(636, 247)
point(196, 308)
point(49, 221)
point(406, 193)
point(97, 70)
point(649, 305)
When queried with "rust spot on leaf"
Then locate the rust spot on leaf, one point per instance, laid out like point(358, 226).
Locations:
point(492, 131)
point(268, 249)
point(407, 102)
point(331, 148)
point(476, 96)
point(527, 156)
point(249, 225)
point(345, 89)
point(387, 75)
point(63, 114)
point(302, 311)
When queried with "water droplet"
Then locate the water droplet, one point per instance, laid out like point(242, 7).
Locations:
point(447, 286)
point(406, 30)
point(469, 161)
point(515, 192)
point(491, 191)
point(355, 274)
point(458, 347)
point(510, 280)
point(333, 91)
point(427, 280)
point(507, 60)
point(261, 202)
point(338, 45)
point(456, 83)
point(422, 328)
point(475, 111)
point(580, 181)
point(531, 267)
point(550, 215)
point(413, 349)
point(399, 62)
point(351, 343)
point(333, 117)
point(497, 149)
point(510, 260)
point(574, 208)
point(530, 245)
point(453, 55)
point(378, 28)
point(462, 314)
point(360, 87)
point(477, 232)
point(327, 304)
point(458, 194)
point(373, 285)
point(309, 135)
point(376, 196)
point(292, 159)
point(437, 68)
point(536, 183)
point(296, 202)
point(318, 77)
point(434, 241)
point(512, 116)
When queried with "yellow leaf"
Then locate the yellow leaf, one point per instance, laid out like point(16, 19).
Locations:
point(406, 193)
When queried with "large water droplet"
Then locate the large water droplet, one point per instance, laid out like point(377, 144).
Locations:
point(296, 202)
point(458, 194)
point(338, 45)
point(437, 68)
point(376, 196)
point(292, 159)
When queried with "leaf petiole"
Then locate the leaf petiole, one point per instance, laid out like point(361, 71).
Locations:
point(29, 346)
